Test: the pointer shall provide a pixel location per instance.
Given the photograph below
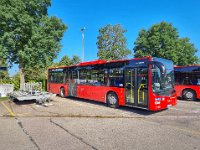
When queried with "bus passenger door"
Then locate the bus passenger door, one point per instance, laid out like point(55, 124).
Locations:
point(142, 87)
point(130, 86)
point(72, 83)
point(136, 87)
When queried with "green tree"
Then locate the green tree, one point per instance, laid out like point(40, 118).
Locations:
point(111, 43)
point(75, 60)
point(66, 61)
point(186, 52)
point(3, 70)
point(15, 80)
point(28, 36)
point(162, 40)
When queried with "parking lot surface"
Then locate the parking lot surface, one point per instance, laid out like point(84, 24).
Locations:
point(70, 123)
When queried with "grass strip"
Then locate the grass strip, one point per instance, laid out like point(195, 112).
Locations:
point(4, 98)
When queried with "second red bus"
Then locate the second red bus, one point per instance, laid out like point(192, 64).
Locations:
point(187, 82)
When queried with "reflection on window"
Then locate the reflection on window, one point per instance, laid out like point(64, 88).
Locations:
point(162, 83)
point(116, 77)
point(156, 78)
point(143, 77)
point(83, 76)
point(187, 78)
point(97, 77)
point(56, 76)
point(93, 77)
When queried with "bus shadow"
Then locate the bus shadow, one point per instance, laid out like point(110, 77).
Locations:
point(139, 111)
point(24, 102)
point(196, 100)
point(135, 110)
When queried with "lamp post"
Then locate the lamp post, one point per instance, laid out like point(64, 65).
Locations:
point(82, 31)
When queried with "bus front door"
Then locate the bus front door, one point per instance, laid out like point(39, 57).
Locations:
point(72, 83)
point(136, 87)
point(130, 86)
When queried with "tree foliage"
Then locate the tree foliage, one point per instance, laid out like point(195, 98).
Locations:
point(111, 43)
point(3, 73)
point(75, 60)
point(162, 40)
point(28, 36)
point(66, 61)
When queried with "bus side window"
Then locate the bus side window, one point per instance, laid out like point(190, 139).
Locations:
point(186, 81)
point(84, 76)
point(66, 77)
point(198, 81)
point(116, 77)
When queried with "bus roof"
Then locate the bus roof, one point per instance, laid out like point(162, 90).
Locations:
point(195, 65)
point(98, 62)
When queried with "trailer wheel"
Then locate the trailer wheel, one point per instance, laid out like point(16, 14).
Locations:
point(112, 100)
point(62, 92)
point(189, 95)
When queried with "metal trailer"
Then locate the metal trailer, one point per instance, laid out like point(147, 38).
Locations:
point(32, 91)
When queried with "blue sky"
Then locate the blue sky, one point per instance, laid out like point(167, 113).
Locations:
point(133, 15)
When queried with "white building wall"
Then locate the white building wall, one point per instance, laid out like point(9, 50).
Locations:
point(5, 89)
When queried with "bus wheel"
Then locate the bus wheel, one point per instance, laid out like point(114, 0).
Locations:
point(62, 92)
point(112, 100)
point(189, 95)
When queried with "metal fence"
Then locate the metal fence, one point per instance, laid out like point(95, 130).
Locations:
point(5, 89)
point(32, 87)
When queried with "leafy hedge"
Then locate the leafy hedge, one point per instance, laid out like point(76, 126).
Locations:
point(11, 81)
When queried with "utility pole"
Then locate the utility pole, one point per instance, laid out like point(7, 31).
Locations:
point(82, 31)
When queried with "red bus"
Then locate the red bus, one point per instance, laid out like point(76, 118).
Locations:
point(146, 83)
point(187, 82)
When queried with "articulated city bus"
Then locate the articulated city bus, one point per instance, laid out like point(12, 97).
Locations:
point(146, 83)
point(187, 82)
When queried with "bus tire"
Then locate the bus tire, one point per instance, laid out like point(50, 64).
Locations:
point(189, 94)
point(112, 100)
point(62, 92)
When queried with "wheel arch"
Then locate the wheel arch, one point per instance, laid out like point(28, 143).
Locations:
point(190, 89)
point(62, 87)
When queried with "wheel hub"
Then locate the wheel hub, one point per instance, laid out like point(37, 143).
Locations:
point(112, 99)
point(189, 95)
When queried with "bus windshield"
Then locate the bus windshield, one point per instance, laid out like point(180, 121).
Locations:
point(162, 77)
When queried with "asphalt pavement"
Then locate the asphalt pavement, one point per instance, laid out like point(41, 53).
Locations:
point(80, 124)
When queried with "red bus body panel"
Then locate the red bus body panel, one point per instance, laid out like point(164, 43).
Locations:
point(98, 93)
point(160, 102)
point(180, 88)
point(55, 88)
